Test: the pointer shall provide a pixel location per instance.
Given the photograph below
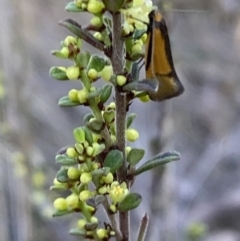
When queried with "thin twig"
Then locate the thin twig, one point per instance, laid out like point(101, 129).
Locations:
point(121, 106)
point(112, 219)
point(143, 228)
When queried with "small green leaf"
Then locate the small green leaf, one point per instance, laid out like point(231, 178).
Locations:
point(87, 117)
point(98, 174)
point(158, 160)
point(79, 134)
point(62, 213)
point(88, 136)
point(113, 160)
point(96, 200)
point(130, 119)
point(58, 188)
point(90, 226)
point(71, 7)
point(66, 102)
point(106, 92)
point(57, 73)
point(131, 201)
point(62, 176)
point(138, 33)
point(96, 62)
point(135, 155)
point(77, 232)
point(65, 160)
point(95, 126)
point(113, 6)
point(83, 59)
point(95, 94)
point(75, 28)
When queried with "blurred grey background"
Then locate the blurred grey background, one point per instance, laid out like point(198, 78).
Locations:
point(201, 190)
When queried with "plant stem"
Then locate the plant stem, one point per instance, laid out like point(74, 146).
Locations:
point(120, 98)
point(143, 228)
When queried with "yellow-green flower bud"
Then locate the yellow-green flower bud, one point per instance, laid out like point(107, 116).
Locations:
point(65, 52)
point(92, 89)
point(137, 49)
point(102, 233)
point(112, 105)
point(70, 40)
point(73, 95)
point(71, 152)
point(102, 190)
point(60, 204)
point(92, 74)
point(113, 208)
point(84, 195)
point(95, 166)
point(98, 36)
point(144, 38)
point(128, 149)
point(81, 223)
point(78, 3)
point(73, 72)
point(106, 72)
point(82, 96)
point(132, 135)
point(95, 6)
point(86, 177)
point(94, 219)
point(84, 6)
point(90, 150)
point(108, 179)
point(113, 138)
point(144, 98)
point(96, 21)
point(73, 173)
point(72, 201)
point(121, 80)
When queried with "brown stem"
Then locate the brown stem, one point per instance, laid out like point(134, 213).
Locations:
point(121, 106)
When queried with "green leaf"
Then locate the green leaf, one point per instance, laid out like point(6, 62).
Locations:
point(90, 226)
point(138, 33)
point(77, 232)
point(96, 62)
point(158, 160)
point(66, 102)
point(71, 7)
point(87, 117)
point(113, 160)
point(62, 176)
point(130, 119)
point(75, 28)
point(96, 200)
point(95, 126)
point(57, 73)
point(88, 136)
point(62, 213)
point(65, 160)
point(113, 6)
point(79, 134)
point(131, 201)
point(106, 92)
point(59, 188)
point(98, 174)
point(83, 59)
point(135, 155)
point(95, 94)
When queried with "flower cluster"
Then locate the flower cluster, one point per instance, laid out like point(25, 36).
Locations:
point(90, 168)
